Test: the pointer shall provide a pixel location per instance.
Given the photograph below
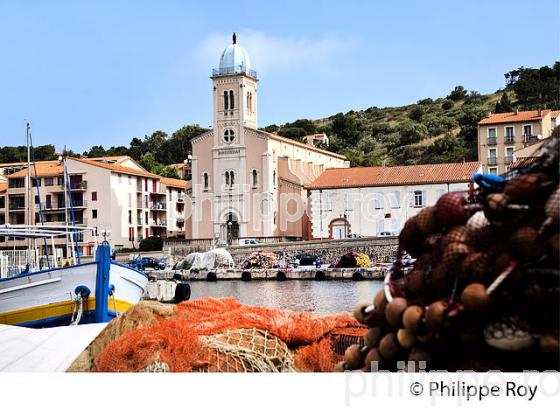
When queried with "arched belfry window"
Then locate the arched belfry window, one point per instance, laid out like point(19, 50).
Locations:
point(231, 100)
point(229, 136)
point(230, 178)
point(254, 178)
point(226, 100)
point(249, 102)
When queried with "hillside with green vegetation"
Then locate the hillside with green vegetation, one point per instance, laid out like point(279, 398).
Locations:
point(430, 131)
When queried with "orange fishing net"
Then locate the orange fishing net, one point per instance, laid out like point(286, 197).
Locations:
point(224, 335)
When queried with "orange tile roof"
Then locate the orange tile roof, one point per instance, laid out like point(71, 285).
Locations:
point(116, 168)
point(175, 183)
point(388, 176)
point(3, 187)
point(554, 114)
point(44, 169)
point(521, 116)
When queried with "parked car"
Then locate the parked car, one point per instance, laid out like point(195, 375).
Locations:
point(355, 235)
point(148, 262)
point(385, 234)
point(249, 241)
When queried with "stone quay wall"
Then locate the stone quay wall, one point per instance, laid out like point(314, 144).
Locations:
point(379, 249)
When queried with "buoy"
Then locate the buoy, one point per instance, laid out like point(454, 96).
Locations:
point(246, 276)
point(412, 318)
point(435, 315)
point(373, 361)
point(359, 313)
point(475, 299)
point(406, 338)
point(354, 356)
point(389, 346)
point(211, 277)
point(357, 276)
point(380, 302)
point(373, 337)
point(182, 292)
point(395, 310)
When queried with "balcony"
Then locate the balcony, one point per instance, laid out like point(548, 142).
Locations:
point(80, 221)
point(180, 219)
point(158, 223)
point(78, 186)
point(241, 69)
point(181, 199)
point(492, 161)
point(508, 159)
point(509, 139)
point(139, 221)
point(492, 141)
point(157, 206)
point(530, 139)
point(80, 203)
point(17, 206)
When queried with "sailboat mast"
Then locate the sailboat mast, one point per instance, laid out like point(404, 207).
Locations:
point(29, 198)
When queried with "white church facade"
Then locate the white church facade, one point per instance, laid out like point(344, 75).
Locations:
point(248, 183)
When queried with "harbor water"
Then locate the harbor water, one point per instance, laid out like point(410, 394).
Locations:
point(323, 297)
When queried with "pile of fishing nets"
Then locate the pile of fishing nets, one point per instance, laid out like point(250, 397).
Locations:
point(260, 260)
point(213, 259)
point(476, 282)
point(219, 335)
point(354, 260)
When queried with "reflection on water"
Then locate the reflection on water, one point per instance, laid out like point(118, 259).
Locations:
point(320, 297)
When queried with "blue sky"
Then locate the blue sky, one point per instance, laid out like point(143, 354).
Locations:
point(102, 72)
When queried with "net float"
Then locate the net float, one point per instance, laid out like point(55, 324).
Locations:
point(380, 301)
point(395, 310)
point(354, 356)
point(414, 282)
point(412, 318)
point(496, 206)
point(450, 209)
point(373, 361)
point(475, 298)
point(435, 315)
point(359, 311)
point(419, 356)
point(475, 265)
point(373, 337)
point(389, 347)
point(526, 243)
point(525, 187)
point(427, 221)
point(454, 253)
point(406, 338)
point(456, 234)
point(411, 238)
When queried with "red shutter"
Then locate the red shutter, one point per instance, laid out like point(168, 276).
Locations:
point(154, 185)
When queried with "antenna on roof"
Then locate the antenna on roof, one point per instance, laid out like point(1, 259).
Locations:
point(234, 38)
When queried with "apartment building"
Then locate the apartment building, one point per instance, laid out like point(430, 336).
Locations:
point(500, 135)
point(377, 201)
point(127, 203)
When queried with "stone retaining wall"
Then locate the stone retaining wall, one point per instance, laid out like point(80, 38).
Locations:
point(330, 251)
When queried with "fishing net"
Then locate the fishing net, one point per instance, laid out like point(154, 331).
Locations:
point(221, 335)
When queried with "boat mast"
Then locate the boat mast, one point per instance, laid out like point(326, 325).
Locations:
point(28, 129)
point(65, 203)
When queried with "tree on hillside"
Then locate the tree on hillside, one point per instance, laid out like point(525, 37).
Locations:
point(166, 171)
point(411, 132)
point(458, 93)
point(345, 127)
point(95, 151)
point(503, 104)
point(148, 161)
point(536, 87)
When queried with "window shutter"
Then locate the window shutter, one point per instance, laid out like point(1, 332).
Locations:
point(424, 198)
point(411, 199)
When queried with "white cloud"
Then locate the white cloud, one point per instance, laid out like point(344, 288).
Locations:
point(269, 52)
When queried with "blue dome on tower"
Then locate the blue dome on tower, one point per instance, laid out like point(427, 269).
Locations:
point(235, 60)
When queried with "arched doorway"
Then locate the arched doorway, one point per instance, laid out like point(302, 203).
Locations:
point(232, 228)
point(339, 228)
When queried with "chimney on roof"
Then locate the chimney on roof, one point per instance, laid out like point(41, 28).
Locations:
point(488, 114)
point(516, 110)
point(384, 163)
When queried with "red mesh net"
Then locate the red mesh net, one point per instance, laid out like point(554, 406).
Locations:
point(224, 335)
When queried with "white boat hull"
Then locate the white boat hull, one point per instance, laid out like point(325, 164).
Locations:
point(47, 298)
